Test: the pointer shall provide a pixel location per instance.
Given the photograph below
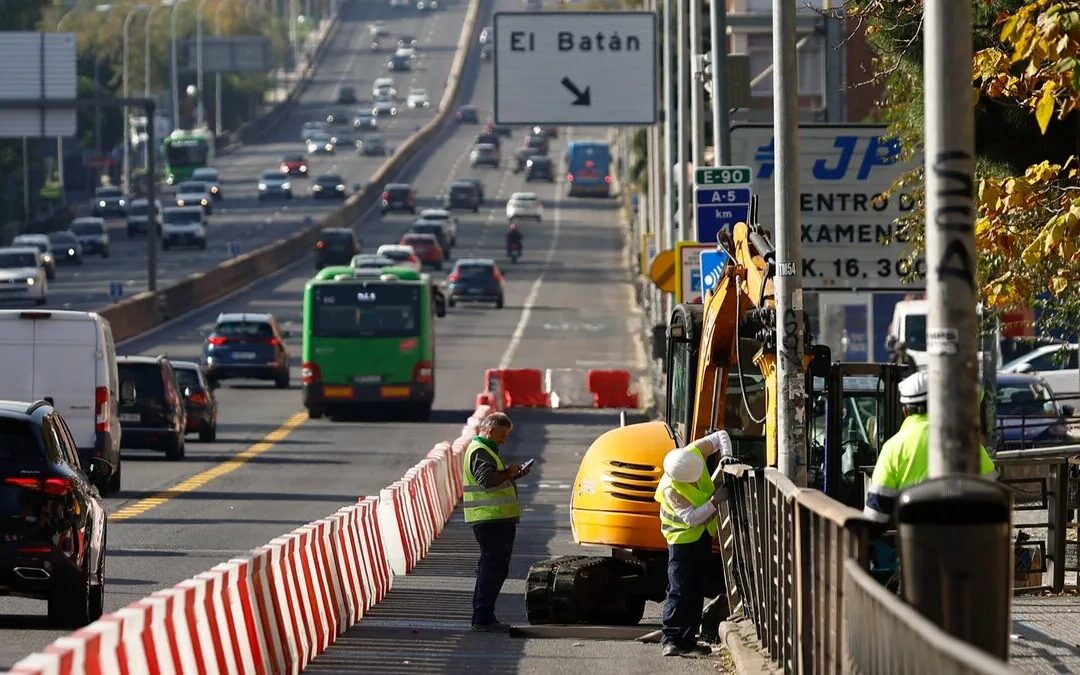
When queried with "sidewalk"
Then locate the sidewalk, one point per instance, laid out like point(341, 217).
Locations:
point(423, 624)
point(1046, 633)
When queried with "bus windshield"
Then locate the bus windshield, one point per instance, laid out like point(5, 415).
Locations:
point(366, 310)
point(191, 152)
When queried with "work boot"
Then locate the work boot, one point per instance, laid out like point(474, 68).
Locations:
point(698, 649)
point(495, 626)
point(673, 650)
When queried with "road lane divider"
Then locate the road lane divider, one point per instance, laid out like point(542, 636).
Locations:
point(217, 471)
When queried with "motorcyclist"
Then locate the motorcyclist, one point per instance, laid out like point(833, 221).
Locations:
point(514, 238)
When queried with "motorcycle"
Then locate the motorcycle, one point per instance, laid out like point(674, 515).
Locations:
point(514, 251)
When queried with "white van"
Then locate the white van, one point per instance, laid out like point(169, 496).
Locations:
point(909, 326)
point(70, 359)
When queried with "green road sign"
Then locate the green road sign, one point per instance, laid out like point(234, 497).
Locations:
point(723, 175)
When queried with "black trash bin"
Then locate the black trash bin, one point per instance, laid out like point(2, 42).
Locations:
point(956, 557)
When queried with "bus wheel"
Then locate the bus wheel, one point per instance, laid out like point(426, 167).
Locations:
point(422, 411)
point(314, 413)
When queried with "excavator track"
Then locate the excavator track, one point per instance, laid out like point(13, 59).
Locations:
point(583, 589)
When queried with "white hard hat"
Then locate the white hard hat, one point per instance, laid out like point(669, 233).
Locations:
point(683, 465)
point(913, 388)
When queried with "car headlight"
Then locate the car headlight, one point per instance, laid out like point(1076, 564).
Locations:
point(316, 188)
point(286, 186)
point(329, 147)
point(46, 258)
point(71, 251)
point(122, 202)
point(101, 203)
point(179, 202)
point(203, 201)
point(214, 189)
point(303, 168)
point(30, 281)
point(262, 186)
point(340, 188)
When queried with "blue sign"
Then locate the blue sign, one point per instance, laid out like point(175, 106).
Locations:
point(712, 269)
point(116, 290)
point(234, 248)
point(719, 208)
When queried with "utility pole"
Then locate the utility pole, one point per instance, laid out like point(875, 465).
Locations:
point(684, 125)
point(835, 98)
point(668, 235)
point(26, 180)
point(791, 398)
point(952, 326)
point(151, 203)
point(697, 91)
point(721, 110)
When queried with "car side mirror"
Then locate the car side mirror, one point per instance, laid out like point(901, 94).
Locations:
point(127, 392)
point(1067, 411)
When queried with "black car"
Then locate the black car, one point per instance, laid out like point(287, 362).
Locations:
point(338, 117)
point(398, 197)
point(475, 280)
point(92, 234)
point(486, 52)
point(474, 181)
point(538, 143)
point(199, 400)
point(247, 345)
point(109, 201)
point(371, 144)
point(398, 64)
point(406, 41)
point(539, 167)
point(155, 417)
point(346, 95)
point(336, 246)
point(467, 113)
point(328, 185)
point(545, 130)
point(522, 157)
point(488, 137)
point(53, 520)
point(427, 227)
point(463, 196)
point(501, 130)
point(65, 247)
point(365, 119)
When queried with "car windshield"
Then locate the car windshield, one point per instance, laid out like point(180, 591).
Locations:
point(13, 260)
point(372, 310)
point(329, 179)
point(146, 377)
point(62, 238)
point(244, 329)
point(337, 237)
point(397, 254)
point(1025, 399)
point(182, 217)
point(205, 174)
point(87, 228)
point(271, 175)
point(108, 192)
point(191, 188)
point(475, 271)
point(187, 377)
point(18, 444)
point(294, 158)
point(36, 243)
point(138, 209)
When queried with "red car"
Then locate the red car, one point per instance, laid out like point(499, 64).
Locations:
point(426, 247)
point(294, 165)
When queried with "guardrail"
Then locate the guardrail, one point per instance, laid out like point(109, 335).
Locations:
point(886, 635)
point(1045, 484)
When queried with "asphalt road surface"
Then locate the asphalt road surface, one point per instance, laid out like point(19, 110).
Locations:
point(241, 217)
point(569, 304)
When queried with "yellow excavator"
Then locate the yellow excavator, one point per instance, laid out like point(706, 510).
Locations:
point(730, 338)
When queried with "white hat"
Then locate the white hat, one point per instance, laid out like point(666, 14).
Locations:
point(683, 465)
point(913, 388)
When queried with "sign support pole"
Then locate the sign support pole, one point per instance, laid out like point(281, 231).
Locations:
point(697, 90)
point(686, 224)
point(791, 398)
point(668, 239)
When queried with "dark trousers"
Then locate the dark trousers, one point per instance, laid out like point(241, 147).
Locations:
point(688, 567)
point(496, 539)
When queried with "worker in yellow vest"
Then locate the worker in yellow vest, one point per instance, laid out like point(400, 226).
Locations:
point(492, 508)
point(688, 520)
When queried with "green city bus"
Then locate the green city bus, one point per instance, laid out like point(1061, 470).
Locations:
point(369, 338)
point(184, 151)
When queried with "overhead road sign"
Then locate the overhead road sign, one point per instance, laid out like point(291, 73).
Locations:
point(849, 237)
point(235, 54)
point(37, 84)
point(722, 197)
point(575, 68)
point(688, 270)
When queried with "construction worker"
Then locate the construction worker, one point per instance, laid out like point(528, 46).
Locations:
point(901, 357)
point(688, 520)
point(905, 458)
point(491, 507)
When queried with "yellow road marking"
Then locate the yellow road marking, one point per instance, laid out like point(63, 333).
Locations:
point(217, 471)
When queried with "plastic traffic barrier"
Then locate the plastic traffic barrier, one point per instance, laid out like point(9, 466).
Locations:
point(611, 389)
point(568, 388)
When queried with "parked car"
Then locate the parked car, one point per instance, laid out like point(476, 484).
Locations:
point(68, 358)
point(65, 247)
point(109, 200)
point(336, 246)
point(43, 245)
point(328, 185)
point(247, 345)
point(212, 179)
point(1027, 414)
point(138, 216)
point(475, 280)
point(398, 197)
point(22, 275)
point(53, 545)
point(463, 196)
point(92, 234)
point(426, 247)
point(183, 225)
point(155, 418)
point(1055, 363)
point(199, 401)
point(274, 184)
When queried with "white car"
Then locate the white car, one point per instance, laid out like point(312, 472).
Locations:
point(406, 53)
point(194, 193)
point(444, 218)
point(22, 275)
point(427, 5)
point(183, 225)
point(1060, 371)
point(311, 128)
point(320, 143)
point(212, 179)
point(399, 3)
point(384, 105)
point(418, 98)
point(383, 86)
point(524, 205)
point(402, 255)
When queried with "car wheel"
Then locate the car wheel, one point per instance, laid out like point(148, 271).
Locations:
point(421, 412)
point(208, 435)
point(50, 273)
point(282, 380)
point(70, 599)
point(174, 448)
point(476, 209)
point(450, 301)
point(104, 253)
point(315, 413)
point(202, 244)
point(97, 590)
point(115, 478)
point(499, 303)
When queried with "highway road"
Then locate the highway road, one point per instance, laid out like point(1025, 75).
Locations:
point(173, 520)
point(240, 217)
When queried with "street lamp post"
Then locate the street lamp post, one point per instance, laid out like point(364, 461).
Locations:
point(199, 62)
point(125, 177)
point(217, 75)
point(146, 71)
point(172, 62)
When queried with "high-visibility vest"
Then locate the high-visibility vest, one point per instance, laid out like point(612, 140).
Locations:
point(676, 531)
point(481, 503)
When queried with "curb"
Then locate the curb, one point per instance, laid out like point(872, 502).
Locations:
point(737, 636)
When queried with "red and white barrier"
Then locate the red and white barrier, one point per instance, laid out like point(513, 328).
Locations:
point(557, 388)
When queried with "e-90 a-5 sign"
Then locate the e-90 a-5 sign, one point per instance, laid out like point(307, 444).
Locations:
point(575, 68)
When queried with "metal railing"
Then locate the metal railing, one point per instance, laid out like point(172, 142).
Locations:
point(886, 635)
point(1046, 514)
